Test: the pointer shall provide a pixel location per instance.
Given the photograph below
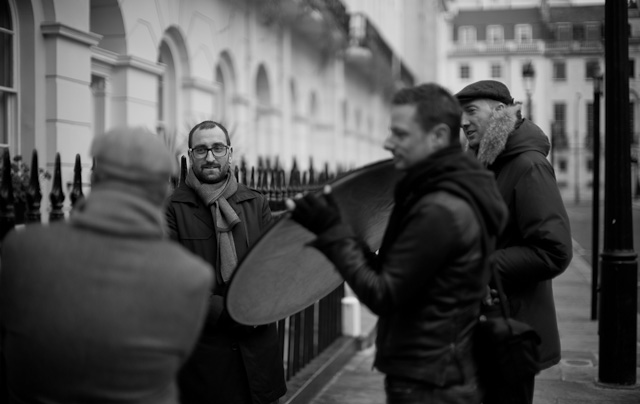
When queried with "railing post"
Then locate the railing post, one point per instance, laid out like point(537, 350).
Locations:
point(33, 194)
point(7, 214)
point(243, 171)
point(183, 169)
point(56, 196)
point(76, 190)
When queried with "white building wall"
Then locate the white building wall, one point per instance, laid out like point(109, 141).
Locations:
point(84, 67)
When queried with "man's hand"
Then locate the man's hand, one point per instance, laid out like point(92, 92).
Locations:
point(316, 213)
point(491, 298)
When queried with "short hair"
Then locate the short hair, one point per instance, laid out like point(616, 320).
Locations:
point(434, 105)
point(209, 125)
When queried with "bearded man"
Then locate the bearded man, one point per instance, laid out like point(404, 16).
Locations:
point(219, 220)
point(536, 245)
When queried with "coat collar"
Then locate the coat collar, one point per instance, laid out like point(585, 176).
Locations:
point(184, 194)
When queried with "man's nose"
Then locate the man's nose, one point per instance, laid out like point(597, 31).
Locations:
point(388, 145)
point(210, 157)
point(465, 120)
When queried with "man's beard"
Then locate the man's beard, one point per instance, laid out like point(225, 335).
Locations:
point(224, 171)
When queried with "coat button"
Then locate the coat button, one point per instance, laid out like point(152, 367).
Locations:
point(235, 346)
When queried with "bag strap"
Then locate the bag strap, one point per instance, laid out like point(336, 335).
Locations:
point(504, 309)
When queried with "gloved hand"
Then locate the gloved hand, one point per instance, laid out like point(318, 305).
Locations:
point(315, 212)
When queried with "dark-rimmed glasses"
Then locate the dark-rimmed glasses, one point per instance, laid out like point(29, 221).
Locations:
point(218, 150)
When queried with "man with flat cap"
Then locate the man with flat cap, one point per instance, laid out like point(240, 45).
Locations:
point(103, 307)
point(536, 245)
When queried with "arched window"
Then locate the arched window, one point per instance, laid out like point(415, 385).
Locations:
point(263, 91)
point(220, 112)
point(8, 91)
point(264, 129)
point(294, 97)
point(225, 78)
point(167, 90)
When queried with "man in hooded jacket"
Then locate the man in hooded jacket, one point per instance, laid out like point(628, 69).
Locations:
point(536, 244)
point(427, 282)
point(103, 308)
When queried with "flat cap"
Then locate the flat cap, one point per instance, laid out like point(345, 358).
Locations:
point(485, 89)
point(132, 155)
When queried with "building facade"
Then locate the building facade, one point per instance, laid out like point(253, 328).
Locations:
point(548, 55)
point(309, 79)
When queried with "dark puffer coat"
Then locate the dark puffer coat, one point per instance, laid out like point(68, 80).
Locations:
point(229, 359)
point(536, 244)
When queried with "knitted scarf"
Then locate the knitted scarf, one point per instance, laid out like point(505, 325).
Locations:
point(224, 218)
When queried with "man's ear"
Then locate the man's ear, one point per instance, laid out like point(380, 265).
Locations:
point(442, 134)
point(230, 154)
point(190, 154)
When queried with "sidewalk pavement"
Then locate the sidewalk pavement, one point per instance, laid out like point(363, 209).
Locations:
point(572, 381)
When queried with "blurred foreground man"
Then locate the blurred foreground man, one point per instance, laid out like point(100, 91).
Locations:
point(103, 308)
point(536, 244)
point(219, 220)
point(427, 282)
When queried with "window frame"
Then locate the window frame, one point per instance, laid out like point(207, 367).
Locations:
point(558, 77)
point(520, 29)
point(593, 31)
point(564, 28)
point(9, 95)
point(590, 68)
point(464, 67)
point(494, 29)
point(496, 66)
point(559, 128)
point(467, 35)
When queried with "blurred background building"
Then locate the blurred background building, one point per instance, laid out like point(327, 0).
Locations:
point(309, 79)
point(289, 78)
point(548, 53)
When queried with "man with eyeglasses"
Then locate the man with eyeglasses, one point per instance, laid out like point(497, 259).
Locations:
point(218, 219)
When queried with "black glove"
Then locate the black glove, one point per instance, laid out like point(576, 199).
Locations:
point(316, 212)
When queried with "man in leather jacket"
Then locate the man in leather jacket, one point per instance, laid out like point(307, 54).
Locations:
point(427, 281)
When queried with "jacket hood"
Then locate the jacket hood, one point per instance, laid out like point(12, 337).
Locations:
point(458, 173)
point(527, 136)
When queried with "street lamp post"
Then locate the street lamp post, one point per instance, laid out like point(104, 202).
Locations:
point(576, 150)
point(595, 222)
point(528, 74)
point(556, 133)
point(619, 275)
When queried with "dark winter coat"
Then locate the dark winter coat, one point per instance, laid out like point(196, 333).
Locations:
point(230, 358)
point(536, 244)
point(427, 282)
point(101, 309)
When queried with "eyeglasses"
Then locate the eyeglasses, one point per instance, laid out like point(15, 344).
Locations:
point(218, 150)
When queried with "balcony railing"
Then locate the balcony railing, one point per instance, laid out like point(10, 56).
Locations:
point(508, 47)
point(575, 46)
